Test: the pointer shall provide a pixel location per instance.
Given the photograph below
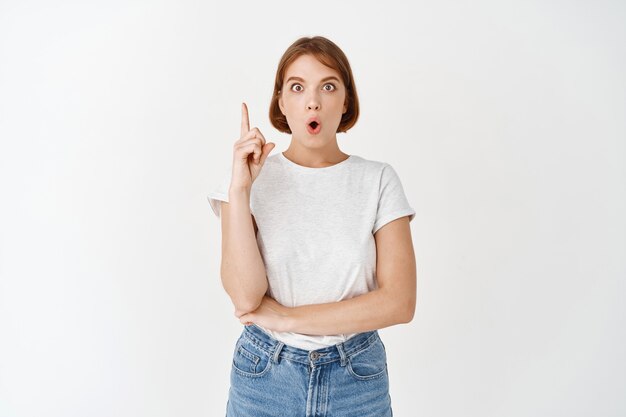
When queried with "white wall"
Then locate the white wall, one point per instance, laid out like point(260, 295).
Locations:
point(505, 121)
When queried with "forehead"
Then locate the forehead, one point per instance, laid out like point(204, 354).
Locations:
point(309, 68)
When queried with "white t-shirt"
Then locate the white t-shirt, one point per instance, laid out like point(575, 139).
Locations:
point(316, 231)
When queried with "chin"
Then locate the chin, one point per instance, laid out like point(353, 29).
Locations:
point(313, 143)
point(315, 139)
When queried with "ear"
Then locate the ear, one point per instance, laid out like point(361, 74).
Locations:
point(280, 104)
point(345, 107)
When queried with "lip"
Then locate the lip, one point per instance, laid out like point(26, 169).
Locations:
point(313, 119)
point(317, 129)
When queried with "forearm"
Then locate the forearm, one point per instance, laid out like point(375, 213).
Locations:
point(376, 309)
point(242, 269)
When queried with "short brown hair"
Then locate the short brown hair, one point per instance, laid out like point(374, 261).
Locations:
point(329, 54)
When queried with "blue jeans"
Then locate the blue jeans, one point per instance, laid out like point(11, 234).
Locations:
point(270, 379)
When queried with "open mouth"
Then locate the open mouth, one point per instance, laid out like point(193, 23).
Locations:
point(314, 128)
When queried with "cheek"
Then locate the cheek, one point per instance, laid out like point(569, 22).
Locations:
point(291, 103)
point(339, 101)
point(292, 98)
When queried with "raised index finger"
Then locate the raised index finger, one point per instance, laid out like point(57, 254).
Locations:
point(245, 123)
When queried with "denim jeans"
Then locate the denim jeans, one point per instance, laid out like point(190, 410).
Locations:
point(271, 379)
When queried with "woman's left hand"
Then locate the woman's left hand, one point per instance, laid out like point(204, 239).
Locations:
point(269, 314)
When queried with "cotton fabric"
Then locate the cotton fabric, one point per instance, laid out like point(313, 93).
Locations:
point(316, 231)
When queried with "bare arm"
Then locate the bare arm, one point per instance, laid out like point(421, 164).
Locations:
point(393, 302)
point(242, 269)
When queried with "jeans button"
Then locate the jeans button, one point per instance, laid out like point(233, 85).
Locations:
point(314, 355)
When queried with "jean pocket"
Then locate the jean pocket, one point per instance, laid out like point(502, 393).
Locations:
point(368, 363)
point(249, 359)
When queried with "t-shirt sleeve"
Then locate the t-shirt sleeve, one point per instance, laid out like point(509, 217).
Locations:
point(392, 202)
point(219, 193)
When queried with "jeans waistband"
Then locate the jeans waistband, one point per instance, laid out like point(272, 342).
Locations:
point(278, 349)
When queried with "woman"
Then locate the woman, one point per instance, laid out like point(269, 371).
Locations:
point(316, 251)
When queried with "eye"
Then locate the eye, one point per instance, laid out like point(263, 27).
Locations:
point(295, 84)
point(331, 84)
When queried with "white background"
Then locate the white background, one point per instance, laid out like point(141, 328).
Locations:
point(505, 121)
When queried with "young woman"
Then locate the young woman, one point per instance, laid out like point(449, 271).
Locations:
point(316, 251)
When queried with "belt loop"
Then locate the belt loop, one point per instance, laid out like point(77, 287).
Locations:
point(277, 350)
point(342, 354)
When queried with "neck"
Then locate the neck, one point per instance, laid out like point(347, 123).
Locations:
point(315, 157)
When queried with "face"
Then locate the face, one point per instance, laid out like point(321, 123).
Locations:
point(311, 89)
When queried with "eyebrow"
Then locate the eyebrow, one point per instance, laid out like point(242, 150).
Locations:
point(332, 77)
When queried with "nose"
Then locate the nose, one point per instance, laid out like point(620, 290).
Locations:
point(313, 103)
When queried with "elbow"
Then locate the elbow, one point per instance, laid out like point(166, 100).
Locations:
point(408, 316)
point(408, 311)
point(403, 308)
point(246, 306)
point(409, 306)
point(244, 298)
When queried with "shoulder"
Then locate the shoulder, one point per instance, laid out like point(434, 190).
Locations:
point(370, 165)
point(273, 157)
point(272, 160)
point(271, 170)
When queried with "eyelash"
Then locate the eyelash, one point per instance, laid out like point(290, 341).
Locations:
point(292, 85)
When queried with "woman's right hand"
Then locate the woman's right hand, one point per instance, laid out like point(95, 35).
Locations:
point(249, 154)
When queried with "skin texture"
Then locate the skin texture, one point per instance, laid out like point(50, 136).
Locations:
point(242, 270)
point(393, 302)
point(300, 100)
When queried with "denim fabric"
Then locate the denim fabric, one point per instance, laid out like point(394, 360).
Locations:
point(271, 379)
